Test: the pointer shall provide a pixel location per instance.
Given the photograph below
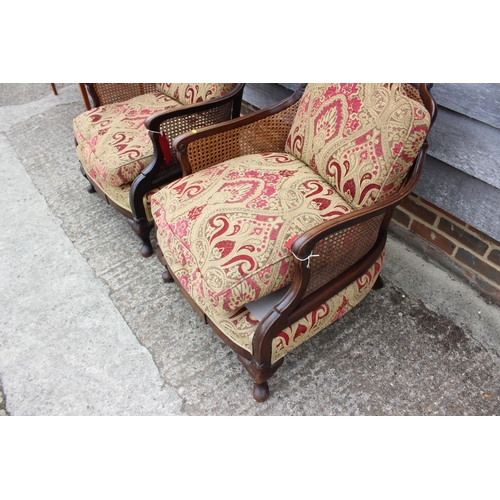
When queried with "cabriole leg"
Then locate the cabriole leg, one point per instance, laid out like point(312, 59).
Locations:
point(261, 373)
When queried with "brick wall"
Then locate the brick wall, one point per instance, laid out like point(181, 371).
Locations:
point(456, 245)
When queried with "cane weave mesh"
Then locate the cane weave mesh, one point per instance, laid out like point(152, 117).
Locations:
point(266, 135)
point(177, 125)
point(339, 251)
point(117, 92)
point(410, 91)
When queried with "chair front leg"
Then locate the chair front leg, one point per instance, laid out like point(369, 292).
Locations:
point(261, 373)
point(142, 227)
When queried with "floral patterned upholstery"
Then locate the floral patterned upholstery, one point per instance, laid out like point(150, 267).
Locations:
point(361, 138)
point(240, 326)
point(127, 115)
point(113, 143)
point(327, 313)
point(236, 251)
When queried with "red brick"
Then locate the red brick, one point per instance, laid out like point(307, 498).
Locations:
point(483, 236)
point(478, 265)
point(418, 210)
point(493, 292)
point(462, 236)
point(494, 256)
point(432, 236)
point(401, 217)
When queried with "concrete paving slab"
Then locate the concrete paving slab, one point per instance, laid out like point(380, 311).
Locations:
point(64, 347)
point(444, 294)
point(412, 348)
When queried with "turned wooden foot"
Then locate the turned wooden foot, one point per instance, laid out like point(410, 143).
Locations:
point(261, 373)
point(90, 187)
point(167, 278)
point(142, 228)
point(379, 283)
point(147, 249)
point(260, 392)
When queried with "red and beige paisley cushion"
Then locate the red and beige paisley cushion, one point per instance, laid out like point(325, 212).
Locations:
point(116, 158)
point(361, 138)
point(113, 143)
point(227, 226)
point(127, 115)
point(239, 325)
point(191, 93)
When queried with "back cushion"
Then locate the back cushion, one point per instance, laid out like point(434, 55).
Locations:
point(191, 93)
point(362, 138)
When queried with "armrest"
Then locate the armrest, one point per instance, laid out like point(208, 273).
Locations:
point(171, 124)
point(346, 240)
point(107, 93)
point(332, 255)
point(184, 119)
point(262, 131)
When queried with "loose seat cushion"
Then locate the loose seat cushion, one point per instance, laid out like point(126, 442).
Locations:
point(361, 138)
point(227, 226)
point(113, 143)
point(116, 158)
point(127, 115)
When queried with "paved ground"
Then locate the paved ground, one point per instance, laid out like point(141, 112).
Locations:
point(87, 326)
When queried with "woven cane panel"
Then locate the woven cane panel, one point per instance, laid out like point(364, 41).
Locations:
point(341, 250)
point(327, 313)
point(266, 135)
point(410, 91)
point(178, 125)
point(117, 92)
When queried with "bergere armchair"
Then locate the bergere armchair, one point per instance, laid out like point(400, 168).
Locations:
point(278, 226)
point(124, 143)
